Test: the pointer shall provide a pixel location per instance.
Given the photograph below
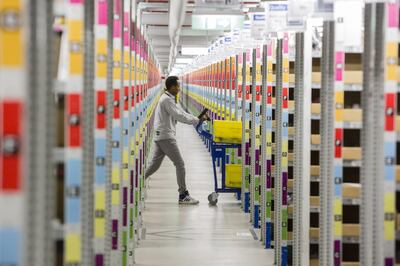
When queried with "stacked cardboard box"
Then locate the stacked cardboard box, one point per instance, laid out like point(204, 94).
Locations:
point(315, 168)
point(351, 155)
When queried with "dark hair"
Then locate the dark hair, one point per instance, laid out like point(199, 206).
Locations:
point(171, 81)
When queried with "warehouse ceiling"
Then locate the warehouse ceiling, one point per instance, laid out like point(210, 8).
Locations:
point(158, 19)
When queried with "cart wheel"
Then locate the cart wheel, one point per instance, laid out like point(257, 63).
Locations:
point(213, 198)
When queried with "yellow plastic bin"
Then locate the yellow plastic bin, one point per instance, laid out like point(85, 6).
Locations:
point(233, 175)
point(227, 131)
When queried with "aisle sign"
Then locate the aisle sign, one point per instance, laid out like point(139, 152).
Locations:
point(276, 14)
point(323, 9)
point(300, 8)
point(257, 24)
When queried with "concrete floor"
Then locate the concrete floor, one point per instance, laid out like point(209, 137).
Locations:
point(195, 235)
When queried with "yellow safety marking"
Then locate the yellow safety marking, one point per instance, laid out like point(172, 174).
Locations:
point(284, 161)
point(12, 53)
point(126, 61)
point(117, 69)
point(391, 49)
point(115, 180)
point(99, 200)
point(72, 248)
point(389, 207)
point(337, 210)
point(99, 227)
point(389, 203)
point(339, 115)
point(125, 160)
point(76, 63)
point(75, 29)
point(391, 61)
point(258, 72)
point(99, 223)
point(101, 67)
point(339, 97)
point(285, 146)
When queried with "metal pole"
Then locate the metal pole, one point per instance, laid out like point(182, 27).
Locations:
point(41, 137)
point(278, 141)
point(253, 126)
point(327, 146)
point(302, 145)
point(236, 87)
point(225, 88)
point(109, 125)
point(230, 87)
point(264, 163)
point(244, 177)
point(88, 136)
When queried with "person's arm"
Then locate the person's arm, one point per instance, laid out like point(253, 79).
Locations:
point(178, 114)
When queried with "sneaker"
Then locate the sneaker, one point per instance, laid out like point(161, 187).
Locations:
point(188, 200)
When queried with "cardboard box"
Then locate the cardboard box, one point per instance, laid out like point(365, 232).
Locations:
point(398, 122)
point(274, 146)
point(292, 78)
point(316, 77)
point(351, 190)
point(353, 77)
point(290, 235)
point(314, 170)
point(398, 173)
point(316, 108)
point(352, 115)
point(351, 153)
point(398, 74)
point(314, 233)
point(352, 263)
point(290, 157)
point(314, 201)
point(315, 139)
point(291, 131)
point(314, 262)
point(290, 183)
point(351, 230)
point(398, 222)
point(291, 105)
point(290, 209)
point(273, 101)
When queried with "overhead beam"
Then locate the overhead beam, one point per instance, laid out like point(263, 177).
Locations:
point(163, 31)
point(162, 19)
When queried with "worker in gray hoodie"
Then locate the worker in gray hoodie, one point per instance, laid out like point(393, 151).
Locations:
point(167, 114)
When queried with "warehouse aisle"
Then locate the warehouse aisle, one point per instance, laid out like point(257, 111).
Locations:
point(195, 235)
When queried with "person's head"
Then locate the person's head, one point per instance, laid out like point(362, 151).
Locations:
point(172, 85)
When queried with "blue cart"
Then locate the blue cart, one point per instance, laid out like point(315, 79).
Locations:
point(218, 153)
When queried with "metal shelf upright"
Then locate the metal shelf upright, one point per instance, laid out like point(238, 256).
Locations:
point(281, 169)
point(87, 134)
point(124, 133)
point(245, 134)
point(73, 152)
point(302, 125)
point(326, 251)
point(100, 31)
point(116, 132)
point(255, 137)
point(14, 69)
point(379, 99)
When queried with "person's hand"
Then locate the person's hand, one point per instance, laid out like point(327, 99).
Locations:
point(205, 117)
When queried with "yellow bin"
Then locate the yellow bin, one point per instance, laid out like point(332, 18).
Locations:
point(233, 175)
point(227, 131)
